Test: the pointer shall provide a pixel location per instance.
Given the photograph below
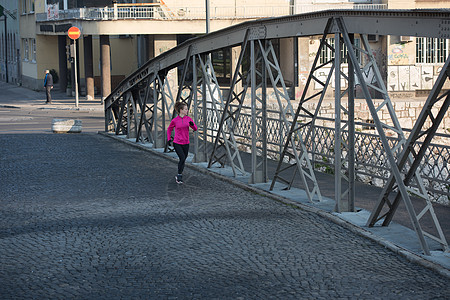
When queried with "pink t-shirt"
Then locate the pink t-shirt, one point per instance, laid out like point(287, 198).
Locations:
point(181, 126)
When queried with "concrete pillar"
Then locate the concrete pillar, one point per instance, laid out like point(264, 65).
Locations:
point(164, 42)
point(88, 67)
point(62, 62)
point(142, 49)
point(151, 46)
point(105, 61)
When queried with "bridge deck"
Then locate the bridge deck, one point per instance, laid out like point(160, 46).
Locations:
point(86, 217)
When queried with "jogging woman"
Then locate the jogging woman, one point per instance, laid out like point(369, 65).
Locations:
point(181, 123)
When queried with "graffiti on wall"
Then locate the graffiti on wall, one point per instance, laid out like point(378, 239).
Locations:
point(411, 78)
point(398, 55)
point(322, 75)
point(400, 78)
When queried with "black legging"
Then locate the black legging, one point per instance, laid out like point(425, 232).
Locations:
point(182, 152)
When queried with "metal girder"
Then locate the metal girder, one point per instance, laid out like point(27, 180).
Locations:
point(425, 23)
point(381, 127)
point(200, 135)
point(146, 104)
point(132, 114)
point(259, 115)
point(290, 149)
point(411, 164)
point(127, 102)
point(344, 138)
point(162, 109)
point(155, 105)
point(110, 122)
point(228, 140)
point(230, 116)
point(122, 125)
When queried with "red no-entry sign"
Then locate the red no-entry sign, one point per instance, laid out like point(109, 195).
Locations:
point(74, 33)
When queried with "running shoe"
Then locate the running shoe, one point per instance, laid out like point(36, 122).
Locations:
point(179, 179)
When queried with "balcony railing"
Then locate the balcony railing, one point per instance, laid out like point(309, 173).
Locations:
point(158, 12)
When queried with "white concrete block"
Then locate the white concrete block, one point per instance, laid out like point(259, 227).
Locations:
point(66, 126)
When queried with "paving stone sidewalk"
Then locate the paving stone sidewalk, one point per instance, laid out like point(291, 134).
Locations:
point(85, 217)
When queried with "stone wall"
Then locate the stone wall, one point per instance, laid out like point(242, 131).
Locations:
point(407, 111)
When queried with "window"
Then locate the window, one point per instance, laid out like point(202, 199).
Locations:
point(1, 48)
point(33, 50)
point(431, 50)
point(24, 6)
point(327, 54)
point(246, 61)
point(14, 51)
point(32, 6)
point(26, 49)
point(10, 47)
point(221, 61)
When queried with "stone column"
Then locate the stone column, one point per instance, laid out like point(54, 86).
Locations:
point(88, 67)
point(105, 60)
point(62, 56)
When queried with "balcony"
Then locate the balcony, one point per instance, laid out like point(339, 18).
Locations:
point(157, 11)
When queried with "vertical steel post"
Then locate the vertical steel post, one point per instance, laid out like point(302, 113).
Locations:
point(253, 106)
point(108, 115)
point(197, 155)
point(337, 125)
point(351, 131)
point(6, 47)
point(259, 119)
point(128, 117)
point(390, 155)
point(76, 73)
point(156, 142)
point(264, 172)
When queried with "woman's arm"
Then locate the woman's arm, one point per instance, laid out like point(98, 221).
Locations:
point(169, 130)
point(192, 125)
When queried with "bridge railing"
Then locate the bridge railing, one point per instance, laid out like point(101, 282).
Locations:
point(371, 165)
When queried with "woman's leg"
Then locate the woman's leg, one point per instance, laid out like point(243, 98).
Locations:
point(186, 153)
point(179, 149)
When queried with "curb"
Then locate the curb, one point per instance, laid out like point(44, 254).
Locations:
point(410, 256)
point(41, 107)
point(10, 106)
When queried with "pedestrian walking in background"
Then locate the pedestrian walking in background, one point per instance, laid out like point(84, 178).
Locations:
point(48, 84)
point(181, 123)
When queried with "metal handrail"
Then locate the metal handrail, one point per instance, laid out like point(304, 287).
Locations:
point(374, 170)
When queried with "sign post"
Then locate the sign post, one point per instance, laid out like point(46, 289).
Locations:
point(74, 33)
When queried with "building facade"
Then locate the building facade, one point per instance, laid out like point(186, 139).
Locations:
point(10, 63)
point(117, 37)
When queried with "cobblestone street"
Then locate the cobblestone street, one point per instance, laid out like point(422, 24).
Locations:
point(85, 217)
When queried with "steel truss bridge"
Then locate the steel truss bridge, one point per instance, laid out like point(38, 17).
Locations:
point(142, 105)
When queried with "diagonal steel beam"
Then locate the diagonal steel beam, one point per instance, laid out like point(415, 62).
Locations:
point(218, 105)
point(146, 106)
point(229, 118)
point(380, 128)
point(409, 149)
point(293, 129)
